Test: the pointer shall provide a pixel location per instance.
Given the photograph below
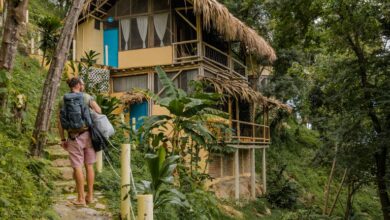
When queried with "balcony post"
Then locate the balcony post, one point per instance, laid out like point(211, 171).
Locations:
point(264, 124)
point(199, 36)
point(230, 60)
point(254, 122)
point(238, 120)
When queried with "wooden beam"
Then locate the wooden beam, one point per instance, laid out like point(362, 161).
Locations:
point(186, 20)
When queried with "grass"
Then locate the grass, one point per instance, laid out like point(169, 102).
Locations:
point(25, 183)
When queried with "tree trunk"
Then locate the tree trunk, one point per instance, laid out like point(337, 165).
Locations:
point(381, 156)
point(53, 78)
point(381, 182)
point(15, 21)
point(43, 59)
point(348, 207)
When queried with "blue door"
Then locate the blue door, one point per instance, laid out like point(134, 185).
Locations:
point(111, 38)
point(138, 111)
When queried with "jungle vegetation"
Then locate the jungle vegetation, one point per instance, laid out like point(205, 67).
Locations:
point(329, 159)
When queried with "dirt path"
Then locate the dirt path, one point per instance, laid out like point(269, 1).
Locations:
point(65, 191)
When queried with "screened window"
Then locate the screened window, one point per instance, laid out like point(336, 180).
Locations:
point(124, 84)
point(144, 23)
point(181, 81)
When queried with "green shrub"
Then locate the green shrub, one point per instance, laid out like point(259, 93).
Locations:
point(24, 194)
point(282, 192)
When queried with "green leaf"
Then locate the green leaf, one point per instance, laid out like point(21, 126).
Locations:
point(169, 88)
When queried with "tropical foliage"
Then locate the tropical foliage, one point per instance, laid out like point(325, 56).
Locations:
point(50, 28)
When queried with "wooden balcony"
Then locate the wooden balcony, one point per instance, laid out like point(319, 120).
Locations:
point(250, 133)
point(244, 133)
point(193, 50)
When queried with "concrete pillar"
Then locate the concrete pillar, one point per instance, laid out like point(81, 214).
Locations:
point(125, 181)
point(253, 173)
point(236, 175)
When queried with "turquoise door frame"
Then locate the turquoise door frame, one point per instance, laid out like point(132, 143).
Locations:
point(111, 41)
point(138, 111)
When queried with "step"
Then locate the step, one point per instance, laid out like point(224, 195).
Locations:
point(66, 173)
point(64, 187)
point(60, 162)
point(56, 152)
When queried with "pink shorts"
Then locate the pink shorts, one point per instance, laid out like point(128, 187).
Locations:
point(81, 151)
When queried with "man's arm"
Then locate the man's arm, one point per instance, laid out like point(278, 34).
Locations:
point(61, 131)
point(95, 107)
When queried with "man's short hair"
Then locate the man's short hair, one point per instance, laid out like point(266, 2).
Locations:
point(73, 82)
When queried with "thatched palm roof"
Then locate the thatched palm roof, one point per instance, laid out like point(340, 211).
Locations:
point(133, 97)
point(218, 16)
point(240, 89)
point(214, 15)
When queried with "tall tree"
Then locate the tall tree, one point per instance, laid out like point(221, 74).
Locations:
point(341, 50)
point(53, 78)
point(13, 29)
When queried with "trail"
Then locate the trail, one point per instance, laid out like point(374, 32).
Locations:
point(65, 191)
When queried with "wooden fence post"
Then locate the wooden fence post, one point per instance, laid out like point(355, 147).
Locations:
point(145, 207)
point(99, 161)
point(125, 181)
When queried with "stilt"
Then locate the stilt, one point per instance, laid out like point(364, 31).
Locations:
point(253, 174)
point(145, 207)
point(264, 172)
point(125, 181)
point(236, 175)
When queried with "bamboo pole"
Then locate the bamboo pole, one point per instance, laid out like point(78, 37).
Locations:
point(106, 55)
point(338, 192)
point(125, 181)
point(327, 187)
point(74, 50)
point(145, 207)
point(32, 45)
point(99, 161)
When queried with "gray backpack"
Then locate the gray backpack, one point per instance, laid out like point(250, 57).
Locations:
point(74, 114)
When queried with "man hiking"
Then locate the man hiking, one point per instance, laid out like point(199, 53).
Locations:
point(75, 118)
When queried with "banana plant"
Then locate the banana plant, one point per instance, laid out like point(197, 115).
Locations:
point(188, 124)
point(161, 169)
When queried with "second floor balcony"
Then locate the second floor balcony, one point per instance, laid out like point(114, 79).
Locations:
point(194, 50)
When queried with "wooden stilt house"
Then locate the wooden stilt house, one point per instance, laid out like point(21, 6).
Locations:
point(190, 40)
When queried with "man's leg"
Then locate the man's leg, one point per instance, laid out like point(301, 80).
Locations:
point(90, 181)
point(78, 174)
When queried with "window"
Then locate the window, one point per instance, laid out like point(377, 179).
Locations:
point(139, 6)
point(144, 23)
point(181, 81)
point(124, 84)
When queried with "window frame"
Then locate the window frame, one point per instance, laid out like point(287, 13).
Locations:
point(151, 29)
